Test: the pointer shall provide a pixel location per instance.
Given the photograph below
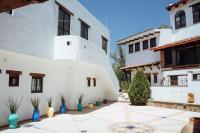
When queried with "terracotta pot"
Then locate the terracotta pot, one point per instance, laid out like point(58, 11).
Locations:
point(190, 98)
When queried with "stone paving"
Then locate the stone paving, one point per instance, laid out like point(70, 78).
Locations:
point(115, 118)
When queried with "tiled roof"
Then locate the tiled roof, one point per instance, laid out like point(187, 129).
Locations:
point(177, 43)
point(176, 4)
point(140, 65)
point(131, 38)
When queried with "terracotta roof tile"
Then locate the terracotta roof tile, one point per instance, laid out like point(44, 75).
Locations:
point(176, 4)
point(140, 65)
point(177, 43)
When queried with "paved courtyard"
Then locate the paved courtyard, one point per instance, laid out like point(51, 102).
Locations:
point(114, 118)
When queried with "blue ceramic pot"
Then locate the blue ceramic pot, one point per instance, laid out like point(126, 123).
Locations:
point(36, 116)
point(80, 107)
point(63, 109)
point(12, 120)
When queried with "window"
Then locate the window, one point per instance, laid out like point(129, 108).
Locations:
point(13, 77)
point(155, 78)
point(153, 42)
point(104, 44)
point(130, 48)
point(37, 82)
point(180, 20)
point(196, 76)
point(63, 22)
point(137, 47)
point(145, 44)
point(88, 81)
point(84, 30)
point(94, 82)
point(174, 80)
point(196, 13)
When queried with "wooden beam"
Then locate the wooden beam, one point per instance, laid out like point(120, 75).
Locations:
point(6, 5)
point(162, 58)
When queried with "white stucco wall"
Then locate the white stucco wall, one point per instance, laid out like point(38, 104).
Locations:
point(68, 77)
point(191, 29)
point(33, 28)
point(178, 93)
point(147, 56)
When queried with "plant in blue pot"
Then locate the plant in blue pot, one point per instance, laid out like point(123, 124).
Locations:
point(63, 107)
point(36, 112)
point(13, 105)
point(80, 105)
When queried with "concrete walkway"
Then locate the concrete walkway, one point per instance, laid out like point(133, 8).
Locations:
point(114, 118)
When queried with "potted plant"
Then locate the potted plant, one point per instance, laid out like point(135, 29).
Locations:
point(63, 107)
point(98, 103)
point(80, 106)
point(13, 105)
point(105, 101)
point(90, 105)
point(50, 111)
point(190, 98)
point(36, 112)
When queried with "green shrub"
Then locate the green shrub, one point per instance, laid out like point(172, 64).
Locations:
point(125, 86)
point(139, 90)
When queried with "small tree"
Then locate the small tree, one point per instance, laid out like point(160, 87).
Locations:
point(139, 90)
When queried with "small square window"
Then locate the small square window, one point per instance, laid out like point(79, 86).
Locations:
point(196, 76)
point(13, 78)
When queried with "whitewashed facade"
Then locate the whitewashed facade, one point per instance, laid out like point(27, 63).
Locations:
point(30, 45)
point(178, 54)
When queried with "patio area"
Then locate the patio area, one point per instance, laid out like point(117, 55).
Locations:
point(118, 117)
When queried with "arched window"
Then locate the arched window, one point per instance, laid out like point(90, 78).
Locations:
point(180, 20)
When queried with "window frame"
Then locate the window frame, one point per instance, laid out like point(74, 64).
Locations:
point(105, 44)
point(144, 43)
point(13, 75)
point(88, 81)
point(38, 77)
point(155, 78)
point(196, 77)
point(84, 27)
point(137, 49)
point(193, 12)
point(130, 48)
point(62, 23)
point(94, 82)
point(182, 19)
point(153, 42)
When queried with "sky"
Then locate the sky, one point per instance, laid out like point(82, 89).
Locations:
point(127, 17)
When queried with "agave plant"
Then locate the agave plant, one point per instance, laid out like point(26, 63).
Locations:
point(35, 102)
point(80, 99)
point(13, 104)
point(49, 100)
point(62, 98)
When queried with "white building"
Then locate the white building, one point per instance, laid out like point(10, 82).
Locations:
point(52, 48)
point(178, 52)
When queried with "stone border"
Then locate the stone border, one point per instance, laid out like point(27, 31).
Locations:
point(171, 105)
